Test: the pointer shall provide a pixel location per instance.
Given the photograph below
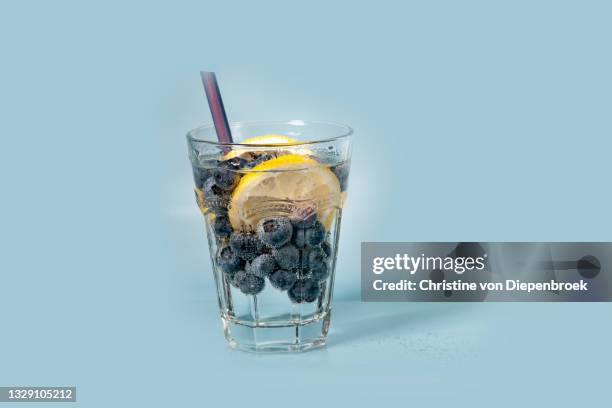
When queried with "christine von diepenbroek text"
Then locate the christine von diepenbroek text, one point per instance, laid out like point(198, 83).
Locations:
point(459, 267)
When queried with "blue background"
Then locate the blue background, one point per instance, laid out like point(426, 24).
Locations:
point(474, 120)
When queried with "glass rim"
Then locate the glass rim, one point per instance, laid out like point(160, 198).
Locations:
point(345, 132)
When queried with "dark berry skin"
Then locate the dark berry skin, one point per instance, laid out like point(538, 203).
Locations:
point(251, 284)
point(225, 179)
point(215, 198)
point(326, 247)
point(259, 159)
point(275, 231)
point(303, 217)
point(235, 163)
point(228, 261)
point(221, 226)
point(315, 235)
point(237, 279)
point(287, 257)
point(247, 246)
point(230, 277)
point(342, 171)
point(225, 175)
point(211, 190)
point(262, 266)
point(200, 175)
point(299, 237)
point(316, 256)
point(319, 271)
point(282, 279)
point(304, 264)
point(304, 291)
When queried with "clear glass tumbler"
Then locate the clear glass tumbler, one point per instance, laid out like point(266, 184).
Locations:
point(272, 204)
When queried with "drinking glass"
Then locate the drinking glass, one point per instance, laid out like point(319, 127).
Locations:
point(272, 204)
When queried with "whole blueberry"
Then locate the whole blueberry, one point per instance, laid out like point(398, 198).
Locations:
point(226, 174)
point(275, 231)
point(315, 234)
point(262, 266)
point(237, 279)
point(299, 237)
point(304, 291)
point(319, 271)
point(227, 260)
point(282, 279)
point(251, 284)
point(287, 257)
point(246, 245)
point(221, 226)
point(326, 247)
point(225, 179)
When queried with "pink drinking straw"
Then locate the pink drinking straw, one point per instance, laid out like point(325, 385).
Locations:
point(211, 87)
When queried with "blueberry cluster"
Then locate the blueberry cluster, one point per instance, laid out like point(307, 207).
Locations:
point(291, 252)
point(272, 252)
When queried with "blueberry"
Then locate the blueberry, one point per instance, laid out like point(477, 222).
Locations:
point(211, 189)
point(227, 260)
point(313, 264)
point(226, 175)
point(235, 163)
point(237, 279)
point(225, 179)
point(299, 237)
point(315, 235)
point(282, 279)
point(262, 266)
point(319, 271)
point(304, 291)
point(275, 231)
point(342, 171)
point(221, 226)
point(303, 217)
point(316, 256)
point(200, 175)
point(251, 284)
point(304, 254)
point(215, 198)
point(258, 159)
point(287, 257)
point(326, 247)
point(247, 246)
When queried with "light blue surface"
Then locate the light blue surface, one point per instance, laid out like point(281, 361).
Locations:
point(473, 121)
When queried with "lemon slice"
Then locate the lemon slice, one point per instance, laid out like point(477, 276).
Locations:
point(279, 186)
point(268, 140)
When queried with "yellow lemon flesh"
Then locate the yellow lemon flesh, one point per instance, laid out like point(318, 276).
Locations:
point(269, 140)
point(280, 185)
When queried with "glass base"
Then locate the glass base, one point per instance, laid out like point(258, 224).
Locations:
point(265, 338)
